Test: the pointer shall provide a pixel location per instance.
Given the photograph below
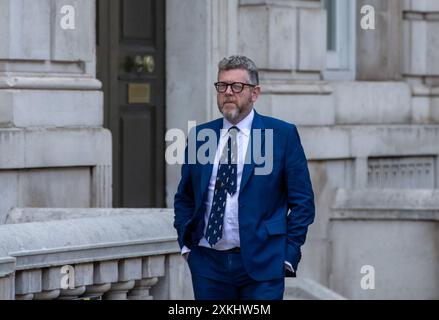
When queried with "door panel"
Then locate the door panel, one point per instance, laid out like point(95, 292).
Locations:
point(138, 21)
point(137, 188)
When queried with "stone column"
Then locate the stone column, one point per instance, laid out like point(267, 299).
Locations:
point(83, 276)
point(176, 283)
point(105, 273)
point(119, 290)
point(72, 294)
point(152, 268)
point(51, 114)
point(141, 289)
point(7, 278)
point(28, 283)
point(96, 291)
point(46, 295)
point(51, 280)
point(129, 270)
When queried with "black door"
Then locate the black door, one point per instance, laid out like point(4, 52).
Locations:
point(130, 63)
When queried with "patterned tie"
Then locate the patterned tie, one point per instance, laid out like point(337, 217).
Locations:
point(225, 183)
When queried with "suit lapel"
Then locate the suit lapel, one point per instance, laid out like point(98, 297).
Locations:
point(207, 168)
point(249, 167)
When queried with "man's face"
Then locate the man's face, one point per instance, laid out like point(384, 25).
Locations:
point(236, 106)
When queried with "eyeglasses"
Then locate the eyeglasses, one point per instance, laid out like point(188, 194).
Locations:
point(237, 87)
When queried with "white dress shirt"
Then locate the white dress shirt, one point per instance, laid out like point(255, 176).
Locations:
point(230, 237)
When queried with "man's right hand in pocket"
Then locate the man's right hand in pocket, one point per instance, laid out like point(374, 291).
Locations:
point(185, 252)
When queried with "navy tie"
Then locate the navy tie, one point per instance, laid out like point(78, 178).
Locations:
point(226, 181)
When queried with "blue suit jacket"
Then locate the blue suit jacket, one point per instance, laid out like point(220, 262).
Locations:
point(275, 210)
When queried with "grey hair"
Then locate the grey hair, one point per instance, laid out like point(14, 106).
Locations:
point(240, 62)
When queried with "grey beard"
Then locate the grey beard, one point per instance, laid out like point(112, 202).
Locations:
point(233, 115)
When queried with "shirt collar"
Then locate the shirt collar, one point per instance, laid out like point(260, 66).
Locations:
point(244, 125)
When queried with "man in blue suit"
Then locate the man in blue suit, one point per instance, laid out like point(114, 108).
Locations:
point(241, 223)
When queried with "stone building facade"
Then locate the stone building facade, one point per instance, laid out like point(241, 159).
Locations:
point(366, 103)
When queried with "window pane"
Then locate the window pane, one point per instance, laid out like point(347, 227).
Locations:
point(330, 6)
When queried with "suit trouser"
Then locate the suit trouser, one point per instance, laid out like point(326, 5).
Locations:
point(218, 275)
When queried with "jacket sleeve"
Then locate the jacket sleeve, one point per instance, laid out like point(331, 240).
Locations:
point(300, 197)
point(184, 202)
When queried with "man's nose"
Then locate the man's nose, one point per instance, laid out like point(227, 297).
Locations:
point(229, 91)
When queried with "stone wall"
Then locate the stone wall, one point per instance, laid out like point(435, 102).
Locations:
point(393, 231)
point(54, 151)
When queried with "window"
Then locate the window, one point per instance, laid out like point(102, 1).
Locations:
point(340, 58)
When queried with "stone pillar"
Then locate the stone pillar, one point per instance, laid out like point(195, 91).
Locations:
point(7, 278)
point(129, 271)
point(51, 282)
point(96, 291)
point(46, 295)
point(105, 272)
point(181, 57)
point(51, 107)
point(142, 288)
point(82, 277)
point(27, 283)
point(421, 39)
point(71, 294)
point(152, 268)
point(119, 290)
point(176, 283)
point(379, 50)
point(421, 57)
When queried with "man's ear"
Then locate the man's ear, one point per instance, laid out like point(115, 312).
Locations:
point(255, 93)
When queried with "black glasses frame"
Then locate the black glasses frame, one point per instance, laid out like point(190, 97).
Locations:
point(217, 86)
